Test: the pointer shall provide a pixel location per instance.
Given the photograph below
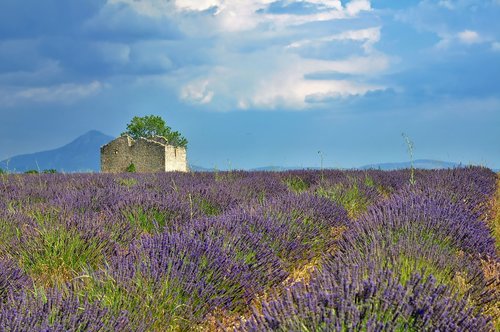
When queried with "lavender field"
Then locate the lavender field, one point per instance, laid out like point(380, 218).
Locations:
point(250, 251)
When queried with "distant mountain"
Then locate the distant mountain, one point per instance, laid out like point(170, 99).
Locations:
point(420, 163)
point(81, 155)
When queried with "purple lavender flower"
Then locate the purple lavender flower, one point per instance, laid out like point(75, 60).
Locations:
point(54, 311)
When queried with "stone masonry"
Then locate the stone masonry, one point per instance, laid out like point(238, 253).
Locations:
point(151, 155)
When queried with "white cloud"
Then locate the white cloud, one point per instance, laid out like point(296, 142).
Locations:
point(198, 5)
point(288, 87)
point(63, 93)
point(197, 92)
point(240, 15)
point(271, 73)
point(293, 91)
point(282, 82)
point(469, 37)
point(354, 7)
point(495, 46)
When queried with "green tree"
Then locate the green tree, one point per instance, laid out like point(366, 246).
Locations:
point(151, 125)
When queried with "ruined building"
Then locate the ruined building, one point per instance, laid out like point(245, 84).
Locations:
point(147, 155)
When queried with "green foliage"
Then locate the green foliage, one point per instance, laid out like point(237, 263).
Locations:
point(151, 125)
point(148, 220)
point(207, 207)
point(8, 232)
point(495, 222)
point(55, 255)
point(2, 171)
point(350, 197)
point(49, 171)
point(406, 264)
point(163, 303)
point(31, 171)
point(369, 182)
point(116, 298)
point(131, 168)
point(296, 184)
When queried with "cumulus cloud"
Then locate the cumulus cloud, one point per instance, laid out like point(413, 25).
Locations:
point(254, 51)
point(240, 15)
point(290, 88)
point(356, 6)
point(282, 81)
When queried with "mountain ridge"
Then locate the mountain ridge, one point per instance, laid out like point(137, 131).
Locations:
point(80, 155)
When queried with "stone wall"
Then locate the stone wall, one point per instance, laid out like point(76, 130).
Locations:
point(115, 156)
point(175, 159)
point(148, 156)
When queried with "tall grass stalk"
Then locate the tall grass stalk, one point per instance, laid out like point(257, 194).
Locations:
point(410, 146)
point(321, 165)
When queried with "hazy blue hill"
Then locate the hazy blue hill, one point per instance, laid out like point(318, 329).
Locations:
point(420, 163)
point(82, 154)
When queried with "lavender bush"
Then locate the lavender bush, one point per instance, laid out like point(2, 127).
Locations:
point(352, 301)
point(175, 251)
point(51, 311)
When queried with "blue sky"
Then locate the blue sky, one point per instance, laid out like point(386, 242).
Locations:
point(258, 82)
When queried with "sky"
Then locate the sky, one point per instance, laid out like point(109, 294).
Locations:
point(254, 83)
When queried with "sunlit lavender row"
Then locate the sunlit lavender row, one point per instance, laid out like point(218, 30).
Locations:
point(249, 251)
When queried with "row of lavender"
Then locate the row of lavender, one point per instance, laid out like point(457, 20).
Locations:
point(167, 251)
point(412, 262)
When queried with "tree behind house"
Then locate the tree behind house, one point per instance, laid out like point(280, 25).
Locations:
point(152, 125)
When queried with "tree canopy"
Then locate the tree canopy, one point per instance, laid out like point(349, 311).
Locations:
point(152, 125)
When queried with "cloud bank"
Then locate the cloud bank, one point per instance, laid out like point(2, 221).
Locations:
point(217, 54)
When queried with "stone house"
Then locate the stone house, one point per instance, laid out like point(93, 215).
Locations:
point(148, 155)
